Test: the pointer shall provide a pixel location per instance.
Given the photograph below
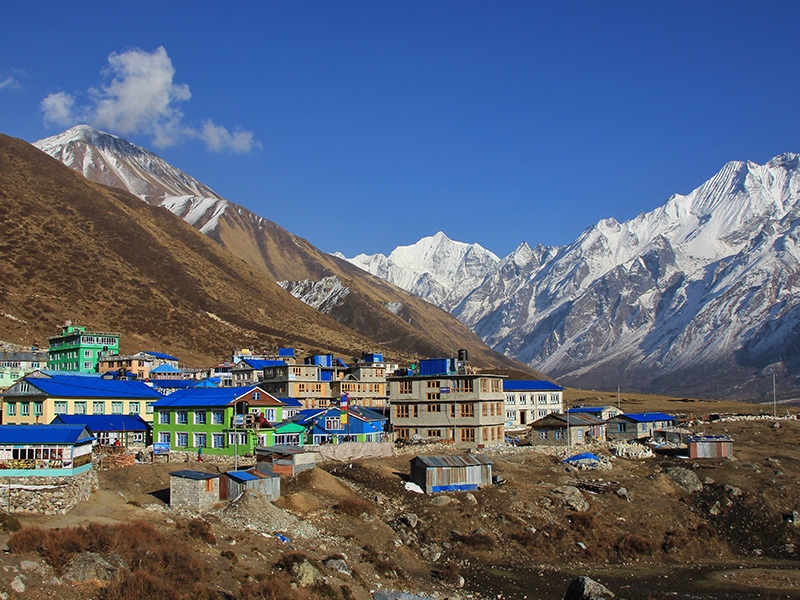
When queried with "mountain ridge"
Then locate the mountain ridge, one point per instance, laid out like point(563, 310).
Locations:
point(705, 284)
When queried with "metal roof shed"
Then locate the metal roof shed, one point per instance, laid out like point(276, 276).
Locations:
point(448, 473)
point(266, 484)
point(285, 460)
point(709, 446)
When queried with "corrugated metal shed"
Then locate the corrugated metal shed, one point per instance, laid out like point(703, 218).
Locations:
point(266, 484)
point(444, 473)
point(709, 446)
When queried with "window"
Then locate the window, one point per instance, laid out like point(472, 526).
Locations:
point(542, 435)
point(87, 354)
point(88, 365)
point(467, 435)
point(467, 410)
point(269, 414)
point(138, 438)
point(510, 399)
point(242, 437)
point(256, 395)
point(134, 408)
point(404, 387)
point(432, 384)
point(621, 427)
point(199, 418)
point(80, 408)
point(181, 417)
point(37, 409)
point(554, 399)
point(432, 396)
point(217, 417)
point(116, 408)
point(98, 408)
point(333, 423)
point(60, 407)
point(24, 409)
point(217, 440)
point(523, 399)
point(182, 440)
point(559, 435)
point(199, 440)
point(433, 408)
point(163, 437)
point(11, 408)
point(401, 411)
point(163, 417)
point(511, 415)
point(148, 408)
point(435, 433)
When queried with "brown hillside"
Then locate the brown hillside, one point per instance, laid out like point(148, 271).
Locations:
point(75, 249)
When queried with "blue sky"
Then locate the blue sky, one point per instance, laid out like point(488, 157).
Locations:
point(362, 126)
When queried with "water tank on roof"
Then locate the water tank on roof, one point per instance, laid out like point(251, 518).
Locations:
point(463, 355)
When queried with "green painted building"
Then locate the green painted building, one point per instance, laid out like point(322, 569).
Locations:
point(75, 349)
point(224, 421)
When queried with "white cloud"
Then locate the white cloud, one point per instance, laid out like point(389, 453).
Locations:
point(9, 83)
point(141, 97)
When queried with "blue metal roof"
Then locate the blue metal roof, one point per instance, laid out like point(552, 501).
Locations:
point(241, 476)
point(291, 401)
point(594, 410)
point(530, 385)
point(203, 396)
point(44, 434)
point(258, 363)
point(98, 423)
point(77, 386)
point(165, 368)
point(647, 417)
point(174, 384)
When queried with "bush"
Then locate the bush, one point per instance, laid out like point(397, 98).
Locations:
point(200, 529)
point(633, 546)
point(9, 523)
point(476, 541)
point(450, 572)
point(272, 586)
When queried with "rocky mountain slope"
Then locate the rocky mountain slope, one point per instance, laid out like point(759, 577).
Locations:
point(699, 296)
point(76, 249)
point(369, 305)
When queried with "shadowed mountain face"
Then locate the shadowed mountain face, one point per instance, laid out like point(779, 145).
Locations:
point(388, 316)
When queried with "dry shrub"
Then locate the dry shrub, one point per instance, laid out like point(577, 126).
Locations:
point(230, 555)
point(382, 565)
point(476, 541)
point(9, 523)
point(200, 529)
point(582, 521)
point(705, 531)
point(137, 585)
point(287, 561)
point(170, 563)
point(272, 586)
point(354, 507)
point(632, 547)
point(450, 572)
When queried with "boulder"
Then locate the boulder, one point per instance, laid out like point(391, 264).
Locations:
point(584, 588)
point(571, 497)
point(89, 566)
point(685, 478)
point(305, 572)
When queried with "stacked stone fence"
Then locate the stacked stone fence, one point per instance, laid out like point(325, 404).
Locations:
point(45, 495)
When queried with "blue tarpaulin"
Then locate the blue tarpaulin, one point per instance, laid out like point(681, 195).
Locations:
point(579, 457)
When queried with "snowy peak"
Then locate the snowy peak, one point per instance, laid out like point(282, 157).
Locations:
point(111, 160)
point(436, 268)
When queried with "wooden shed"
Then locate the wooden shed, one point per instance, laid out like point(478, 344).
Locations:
point(709, 446)
point(195, 490)
point(266, 484)
point(285, 460)
point(460, 472)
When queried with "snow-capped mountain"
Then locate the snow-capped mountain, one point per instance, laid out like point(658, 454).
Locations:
point(699, 296)
point(436, 268)
point(111, 160)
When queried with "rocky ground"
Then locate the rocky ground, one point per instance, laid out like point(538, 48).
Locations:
point(656, 527)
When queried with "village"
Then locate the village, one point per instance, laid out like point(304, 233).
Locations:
point(272, 429)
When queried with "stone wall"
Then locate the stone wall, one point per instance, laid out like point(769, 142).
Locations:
point(45, 495)
point(193, 494)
